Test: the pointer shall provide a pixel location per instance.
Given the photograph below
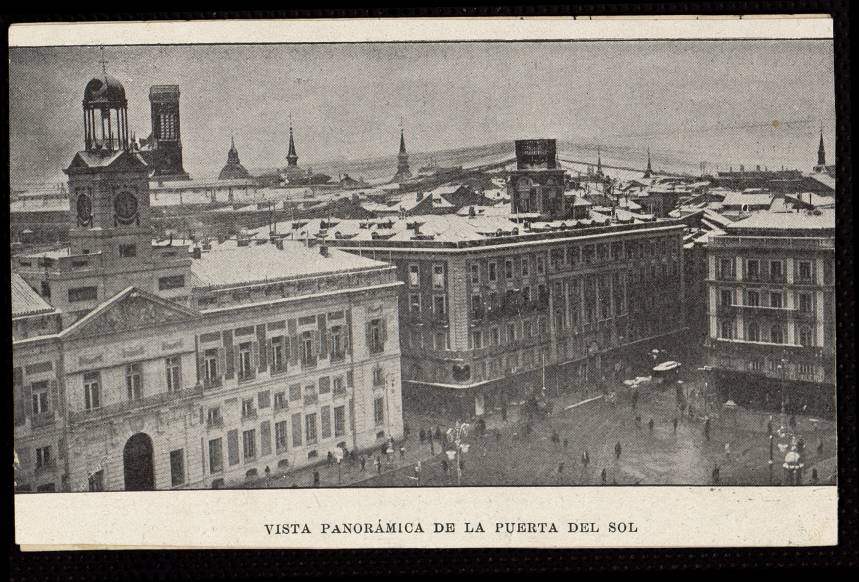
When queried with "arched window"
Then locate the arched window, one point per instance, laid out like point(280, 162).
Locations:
point(777, 334)
point(805, 337)
point(754, 332)
point(727, 329)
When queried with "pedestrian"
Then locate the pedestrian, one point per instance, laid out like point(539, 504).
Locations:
point(560, 468)
point(402, 453)
point(432, 446)
point(727, 451)
point(444, 466)
point(406, 430)
point(586, 458)
point(497, 436)
point(383, 450)
point(650, 426)
point(438, 433)
point(556, 439)
point(792, 422)
point(353, 456)
point(674, 423)
point(330, 458)
point(316, 478)
point(603, 476)
point(363, 462)
point(504, 411)
point(715, 474)
point(707, 428)
point(638, 422)
point(527, 429)
point(378, 465)
point(814, 477)
point(461, 465)
point(770, 425)
point(819, 446)
point(617, 450)
point(566, 442)
point(422, 435)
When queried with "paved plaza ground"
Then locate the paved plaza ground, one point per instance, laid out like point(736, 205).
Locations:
point(589, 422)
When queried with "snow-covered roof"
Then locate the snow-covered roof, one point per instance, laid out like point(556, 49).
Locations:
point(25, 300)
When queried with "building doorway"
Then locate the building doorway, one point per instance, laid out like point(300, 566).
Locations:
point(137, 462)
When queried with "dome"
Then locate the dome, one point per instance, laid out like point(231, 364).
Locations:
point(106, 90)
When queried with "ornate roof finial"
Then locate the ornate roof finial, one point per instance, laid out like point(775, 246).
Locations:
point(103, 62)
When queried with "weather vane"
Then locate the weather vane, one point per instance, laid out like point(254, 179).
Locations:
point(103, 62)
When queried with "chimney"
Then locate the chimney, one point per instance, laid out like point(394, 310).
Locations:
point(323, 250)
point(197, 253)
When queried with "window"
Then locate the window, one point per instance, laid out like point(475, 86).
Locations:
point(278, 354)
point(210, 366)
point(325, 385)
point(338, 386)
point(493, 272)
point(496, 336)
point(805, 302)
point(414, 276)
point(438, 276)
point(440, 341)
point(310, 428)
point(527, 331)
point(777, 334)
point(415, 303)
point(805, 337)
point(525, 266)
point(776, 270)
point(379, 411)
point(805, 369)
point(295, 392)
point(541, 265)
point(727, 297)
point(214, 418)
point(43, 457)
point(476, 340)
point(296, 429)
point(376, 335)
point(475, 274)
point(439, 305)
point(96, 481)
point(263, 399)
point(339, 421)
point(280, 400)
point(378, 376)
point(753, 299)
point(280, 436)
point(134, 381)
point(727, 329)
point(753, 269)
point(92, 391)
point(726, 268)
point(476, 306)
point(508, 269)
point(174, 373)
point(776, 300)
point(308, 356)
point(83, 294)
point(127, 250)
point(40, 397)
point(249, 444)
point(805, 271)
point(756, 365)
point(246, 369)
point(216, 456)
point(754, 332)
point(177, 467)
point(248, 410)
point(171, 282)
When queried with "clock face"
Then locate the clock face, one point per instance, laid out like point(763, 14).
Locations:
point(84, 208)
point(125, 205)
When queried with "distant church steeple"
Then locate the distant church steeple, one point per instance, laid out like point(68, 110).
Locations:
point(291, 157)
point(821, 150)
point(649, 171)
point(403, 171)
point(599, 162)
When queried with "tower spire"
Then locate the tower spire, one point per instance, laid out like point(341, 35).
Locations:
point(291, 156)
point(821, 150)
point(599, 161)
point(103, 62)
point(649, 171)
point(403, 171)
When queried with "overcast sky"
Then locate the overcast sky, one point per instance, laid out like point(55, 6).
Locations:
point(347, 100)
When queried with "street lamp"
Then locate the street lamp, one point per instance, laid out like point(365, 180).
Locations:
point(456, 434)
point(782, 370)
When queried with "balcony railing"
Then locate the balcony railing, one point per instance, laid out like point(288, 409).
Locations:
point(152, 401)
point(747, 242)
point(43, 419)
point(215, 422)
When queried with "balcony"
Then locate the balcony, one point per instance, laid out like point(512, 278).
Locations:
point(212, 383)
point(42, 420)
point(129, 406)
point(215, 423)
point(249, 414)
point(762, 311)
point(726, 276)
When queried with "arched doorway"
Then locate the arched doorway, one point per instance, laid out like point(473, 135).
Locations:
point(137, 461)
